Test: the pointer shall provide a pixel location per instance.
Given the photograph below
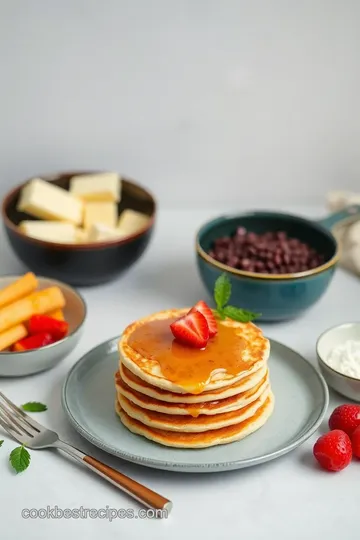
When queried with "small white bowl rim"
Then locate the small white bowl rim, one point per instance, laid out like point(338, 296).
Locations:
point(57, 343)
point(321, 359)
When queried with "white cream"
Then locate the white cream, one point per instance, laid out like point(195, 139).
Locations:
point(345, 358)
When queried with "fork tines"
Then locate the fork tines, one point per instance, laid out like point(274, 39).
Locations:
point(15, 421)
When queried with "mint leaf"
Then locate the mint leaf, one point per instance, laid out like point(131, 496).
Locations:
point(240, 315)
point(222, 292)
point(34, 406)
point(19, 459)
point(1, 443)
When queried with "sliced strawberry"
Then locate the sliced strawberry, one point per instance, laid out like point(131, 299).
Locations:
point(204, 309)
point(191, 330)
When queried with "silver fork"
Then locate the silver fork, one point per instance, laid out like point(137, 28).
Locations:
point(33, 435)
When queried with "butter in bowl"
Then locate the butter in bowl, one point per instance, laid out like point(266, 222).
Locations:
point(86, 213)
point(82, 228)
point(41, 321)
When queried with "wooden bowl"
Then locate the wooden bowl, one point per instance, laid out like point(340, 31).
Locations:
point(80, 264)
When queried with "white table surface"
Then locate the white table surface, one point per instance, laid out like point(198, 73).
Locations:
point(286, 499)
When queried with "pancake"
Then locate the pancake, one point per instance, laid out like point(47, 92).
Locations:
point(214, 437)
point(185, 397)
point(148, 349)
point(184, 424)
point(137, 384)
point(191, 409)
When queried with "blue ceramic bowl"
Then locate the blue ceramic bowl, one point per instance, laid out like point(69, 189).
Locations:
point(276, 296)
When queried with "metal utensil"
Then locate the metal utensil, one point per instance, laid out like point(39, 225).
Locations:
point(30, 433)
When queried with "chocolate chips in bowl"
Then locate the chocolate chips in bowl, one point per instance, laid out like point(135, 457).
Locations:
point(278, 264)
point(272, 252)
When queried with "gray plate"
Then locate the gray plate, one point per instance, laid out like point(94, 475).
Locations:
point(301, 400)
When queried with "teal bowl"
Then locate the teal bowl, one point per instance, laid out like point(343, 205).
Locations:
point(276, 296)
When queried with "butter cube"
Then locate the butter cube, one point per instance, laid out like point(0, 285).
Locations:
point(49, 202)
point(100, 212)
point(81, 235)
point(102, 233)
point(97, 187)
point(49, 231)
point(130, 222)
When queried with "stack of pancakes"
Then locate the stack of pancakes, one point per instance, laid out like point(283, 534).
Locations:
point(188, 398)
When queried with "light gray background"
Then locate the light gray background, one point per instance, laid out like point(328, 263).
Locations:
point(206, 102)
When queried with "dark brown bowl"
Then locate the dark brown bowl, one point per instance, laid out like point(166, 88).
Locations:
point(80, 264)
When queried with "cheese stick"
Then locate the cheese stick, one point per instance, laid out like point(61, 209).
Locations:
point(12, 335)
point(20, 288)
point(37, 303)
point(57, 314)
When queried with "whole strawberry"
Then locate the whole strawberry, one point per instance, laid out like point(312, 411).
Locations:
point(346, 418)
point(333, 451)
point(355, 441)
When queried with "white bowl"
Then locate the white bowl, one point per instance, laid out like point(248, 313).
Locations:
point(343, 384)
point(18, 364)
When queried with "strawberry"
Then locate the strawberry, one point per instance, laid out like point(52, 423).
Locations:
point(333, 451)
point(355, 441)
point(191, 330)
point(204, 309)
point(346, 418)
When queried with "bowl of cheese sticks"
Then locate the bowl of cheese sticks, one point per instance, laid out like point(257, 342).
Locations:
point(41, 322)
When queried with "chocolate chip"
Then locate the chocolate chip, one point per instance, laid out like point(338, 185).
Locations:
point(220, 255)
point(252, 250)
point(277, 259)
point(245, 263)
point(286, 258)
point(233, 262)
point(259, 266)
point(251, 237)
point(269, 252)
